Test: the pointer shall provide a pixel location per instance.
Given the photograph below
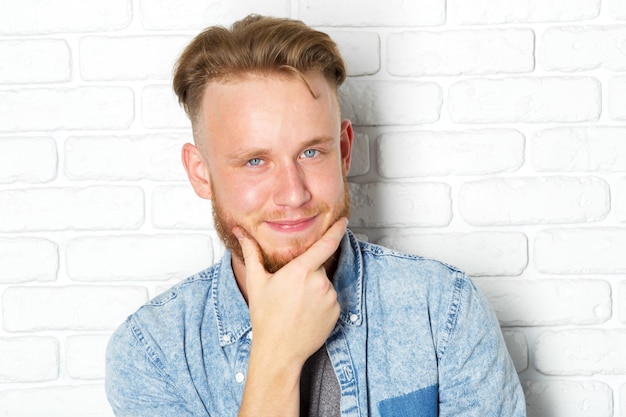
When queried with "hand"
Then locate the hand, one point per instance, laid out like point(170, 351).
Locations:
point(293, 310)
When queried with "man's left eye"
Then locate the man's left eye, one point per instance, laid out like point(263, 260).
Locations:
point(255, 162)
point(309, 153)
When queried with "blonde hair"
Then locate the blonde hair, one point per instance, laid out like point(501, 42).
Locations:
point(255, 44)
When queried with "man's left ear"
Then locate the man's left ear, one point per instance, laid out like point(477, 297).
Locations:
point(345, 139)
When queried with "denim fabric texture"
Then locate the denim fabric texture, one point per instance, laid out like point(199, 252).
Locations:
point(414, 338)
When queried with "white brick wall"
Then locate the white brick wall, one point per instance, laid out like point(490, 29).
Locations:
point(489, 134)
point(460, 52)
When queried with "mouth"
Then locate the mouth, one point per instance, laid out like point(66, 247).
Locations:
point(291, 225)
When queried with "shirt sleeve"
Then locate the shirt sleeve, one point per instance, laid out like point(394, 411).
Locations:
point(135, 381)
point(476, 373)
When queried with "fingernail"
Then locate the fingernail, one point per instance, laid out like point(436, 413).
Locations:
point(237, 232)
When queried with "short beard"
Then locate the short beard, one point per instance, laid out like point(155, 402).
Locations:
point(272, 262)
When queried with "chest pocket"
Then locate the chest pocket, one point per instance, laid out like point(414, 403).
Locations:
point(420, 403)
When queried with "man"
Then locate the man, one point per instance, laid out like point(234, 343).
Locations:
point(341, 327)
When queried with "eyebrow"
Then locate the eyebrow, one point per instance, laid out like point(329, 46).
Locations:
point(237, 157)
point(320, 140)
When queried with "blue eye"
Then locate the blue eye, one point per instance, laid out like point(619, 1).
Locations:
point(309, 153)
point(255, 162)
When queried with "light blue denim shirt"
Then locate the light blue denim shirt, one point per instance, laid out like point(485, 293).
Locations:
point(414, 338)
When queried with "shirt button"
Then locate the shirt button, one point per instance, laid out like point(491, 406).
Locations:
point(239, 377)
point(226, 338)
point(353, 318)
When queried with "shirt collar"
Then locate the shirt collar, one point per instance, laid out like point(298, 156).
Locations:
point(348, 280)
point(231, 311)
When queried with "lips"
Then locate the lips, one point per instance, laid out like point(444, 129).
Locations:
point(295, 225)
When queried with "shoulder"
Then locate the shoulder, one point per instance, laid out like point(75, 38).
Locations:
point(160, 324)
point(419, 284)
point(408, 266)
point(402, 274)
point(189, 291)
point(168, 311)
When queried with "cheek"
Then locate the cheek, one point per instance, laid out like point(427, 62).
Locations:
point(329, 186)
point(246, 199)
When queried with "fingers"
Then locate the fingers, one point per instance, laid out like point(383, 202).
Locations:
point(251, 252)
point(324, 248)
point(312, 259)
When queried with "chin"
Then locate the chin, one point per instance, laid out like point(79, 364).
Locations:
point(275, 260)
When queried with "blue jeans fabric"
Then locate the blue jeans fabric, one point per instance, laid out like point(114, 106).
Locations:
point(414, 338)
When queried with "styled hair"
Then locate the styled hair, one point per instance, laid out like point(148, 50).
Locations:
point(255, 44)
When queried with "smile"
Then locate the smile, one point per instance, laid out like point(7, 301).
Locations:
point(291, 225)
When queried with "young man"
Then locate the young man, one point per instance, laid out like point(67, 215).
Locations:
point(341, 327)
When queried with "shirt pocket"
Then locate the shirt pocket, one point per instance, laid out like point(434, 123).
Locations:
point(420, 403)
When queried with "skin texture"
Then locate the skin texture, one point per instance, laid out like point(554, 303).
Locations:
point(273, 158)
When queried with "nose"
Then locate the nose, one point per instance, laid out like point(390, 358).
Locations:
point(291, 190)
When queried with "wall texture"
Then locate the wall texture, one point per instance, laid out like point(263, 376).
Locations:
point(490, 134)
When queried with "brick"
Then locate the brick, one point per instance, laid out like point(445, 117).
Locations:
point(518, 348)
point(27, 159)
point(430, 153)
point(360, 157)
point(618, 11)
point(34, 61)
point(588, 149)
point(477, 253)
point(561, 398)
point(179, 207)
point(66, 108)
point(581, 251)
point(129, 57)
point(64, 400)
point(160, 108)
point(581, 352)
point(42, 16)
point(460, 52)
point(68, 307)
point(137, 257)
point(149, 157)
point(527, 99)
point(400, 204)
point(197, 14)
point(621, 301)
point(534, 200)
point(617, 97)
point(25, 259)
point(84, 356)
point(548, 302)
point(576, 48)
point(360, 51)
point(512, 11)
point(373, 12)
point(94, 207)
point(375, 102)
point(28, 359)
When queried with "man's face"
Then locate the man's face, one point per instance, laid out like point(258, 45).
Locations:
point(276, 159)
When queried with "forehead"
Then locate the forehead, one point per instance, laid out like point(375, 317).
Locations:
point(253, 83)
point(268, 105)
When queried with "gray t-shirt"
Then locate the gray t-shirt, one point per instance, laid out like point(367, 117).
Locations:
point(320, 394)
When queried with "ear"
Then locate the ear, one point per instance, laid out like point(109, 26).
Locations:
point(345, 142)
point(197, 171)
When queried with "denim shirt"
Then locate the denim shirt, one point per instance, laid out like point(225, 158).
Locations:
point(414, 338)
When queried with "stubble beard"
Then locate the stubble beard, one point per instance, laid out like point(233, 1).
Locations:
point(272, 262)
